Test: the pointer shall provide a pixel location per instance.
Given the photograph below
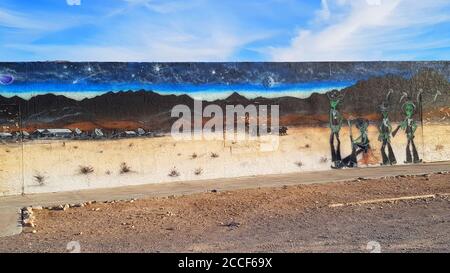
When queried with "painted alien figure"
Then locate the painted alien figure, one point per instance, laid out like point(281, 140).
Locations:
point(360, 144)
point(335, 123)
point(385, 129)
point(409, 125)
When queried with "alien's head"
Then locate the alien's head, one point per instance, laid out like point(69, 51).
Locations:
point(362, 124)
point(409, 108)
point(384, 110)
point(335, 98)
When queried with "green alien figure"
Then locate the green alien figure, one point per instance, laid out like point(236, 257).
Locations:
point(409, 125)
point(360, 144)
point(335, 123)
point(385, 129)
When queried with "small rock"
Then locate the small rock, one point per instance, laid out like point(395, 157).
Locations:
point(38, 208)
point(60, 207)
point(232, 224)
point(26, 214)
point(28, 223)
point(214, 190)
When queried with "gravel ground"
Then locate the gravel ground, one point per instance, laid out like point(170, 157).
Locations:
point(287, 219)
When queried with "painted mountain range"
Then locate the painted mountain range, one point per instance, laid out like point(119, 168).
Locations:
point(144, 108)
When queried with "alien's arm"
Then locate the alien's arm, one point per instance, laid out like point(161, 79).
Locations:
point(404, 124)
point(358, 139)
point(330, 119)
point(380, 134)
point(379, 127)
point(414, 126)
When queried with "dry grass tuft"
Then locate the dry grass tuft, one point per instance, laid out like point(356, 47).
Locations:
point(86, 170)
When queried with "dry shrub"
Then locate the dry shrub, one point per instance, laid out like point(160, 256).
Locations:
point(124, 168)
point(86, 170)
point(198, 171)
point(174, 172)
point(40, 179)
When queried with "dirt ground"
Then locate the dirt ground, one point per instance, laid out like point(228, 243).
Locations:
point(286, 219)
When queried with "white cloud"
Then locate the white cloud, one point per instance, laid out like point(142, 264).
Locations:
point(131, 33)
point(73, 2)
point(211, 50)
point(363, 30)
point(324, 12)
point(163, 6)
point(218, 48)
point(145, 39)
point(13, 19)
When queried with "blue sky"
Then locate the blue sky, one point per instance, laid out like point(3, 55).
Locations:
point(231, 30)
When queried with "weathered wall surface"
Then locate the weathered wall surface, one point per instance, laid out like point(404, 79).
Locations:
point(320, 104)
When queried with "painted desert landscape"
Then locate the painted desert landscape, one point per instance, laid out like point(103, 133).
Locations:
point(51, 165)
point(71, 126)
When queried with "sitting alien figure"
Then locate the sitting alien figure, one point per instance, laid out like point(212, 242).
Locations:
point(360, 144)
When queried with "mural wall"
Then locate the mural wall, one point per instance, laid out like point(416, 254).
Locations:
point(69, 126)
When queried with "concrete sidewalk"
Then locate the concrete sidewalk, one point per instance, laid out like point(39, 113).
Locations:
point(190, 187)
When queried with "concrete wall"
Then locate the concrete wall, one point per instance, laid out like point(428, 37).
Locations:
point(75, 95)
